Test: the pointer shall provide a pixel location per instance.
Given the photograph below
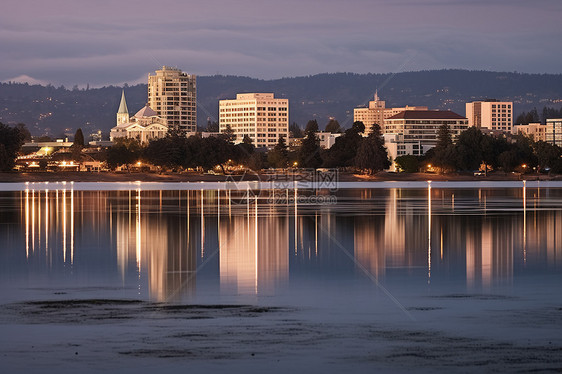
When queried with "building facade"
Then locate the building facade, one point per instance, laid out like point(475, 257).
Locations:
point(490, 114)
point(327, 139)
point(173, 95)
point(259, 115)
point(554, 131)
point(414, 132)
point(536, 131)
point(144, 126)
point(377, 112)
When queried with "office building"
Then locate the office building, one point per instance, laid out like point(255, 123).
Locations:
point(490, 114)
point(377, 112)
point(260, 116)
point(554, 131)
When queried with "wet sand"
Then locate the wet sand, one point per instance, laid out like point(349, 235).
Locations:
point(91, 335)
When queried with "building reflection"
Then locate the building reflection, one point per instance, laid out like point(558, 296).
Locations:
point(156, 240)
point(254, 251)
point(161, 246)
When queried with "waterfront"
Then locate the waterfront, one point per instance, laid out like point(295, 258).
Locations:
point(393, 276)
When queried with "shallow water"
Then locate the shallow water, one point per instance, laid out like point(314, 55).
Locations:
point(425, 276)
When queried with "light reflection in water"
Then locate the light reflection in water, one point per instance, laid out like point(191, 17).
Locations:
point(428, 232)
point(483, 235)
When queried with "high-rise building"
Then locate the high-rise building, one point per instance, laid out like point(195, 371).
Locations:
point(173, 95)
point(259, 115)
point(554, 131)
point(490, 114)
point(377, 112)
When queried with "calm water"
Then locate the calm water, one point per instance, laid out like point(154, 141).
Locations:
point(217, 245)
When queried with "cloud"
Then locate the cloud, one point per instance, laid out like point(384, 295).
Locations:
point(77, 42)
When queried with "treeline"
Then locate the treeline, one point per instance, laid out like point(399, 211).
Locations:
point(533, 116)
point(176, 152)
point(475, 150)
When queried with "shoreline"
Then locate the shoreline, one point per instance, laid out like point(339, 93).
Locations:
point(199, 177)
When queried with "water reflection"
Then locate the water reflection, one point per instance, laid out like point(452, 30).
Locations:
point(162, 243)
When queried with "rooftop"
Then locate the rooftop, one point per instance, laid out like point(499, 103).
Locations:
point(427, 114)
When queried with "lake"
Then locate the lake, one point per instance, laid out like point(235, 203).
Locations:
point(390, 276)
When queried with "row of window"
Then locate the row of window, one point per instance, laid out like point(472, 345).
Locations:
point(428, 122)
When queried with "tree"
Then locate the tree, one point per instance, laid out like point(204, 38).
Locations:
point(228, 134)
point(333, 126)
point(408, 163)
point(442, 155)
point(469, 149)
point(212, 126)
point(548, 155)
point(444, 138)
point(279, 155)
point(372, 154)
point(344, 150)
point(124, 152)
point(311, 126)
point(79, 138)
point(521, 119)
point(257, 161)
point(244, 150)
point(296, 131)
point(24, 131)
point(309, 151)
point(11, 140)
point(508, 160)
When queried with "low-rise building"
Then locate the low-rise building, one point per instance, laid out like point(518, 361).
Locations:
point(377, 112)
point(144, 126)
point(536, 131)
point(414, 132)
point(327, 139)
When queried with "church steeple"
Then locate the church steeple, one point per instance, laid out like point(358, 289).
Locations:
point(123, 112)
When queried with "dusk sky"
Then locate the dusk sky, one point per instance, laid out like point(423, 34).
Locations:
point(111, 42)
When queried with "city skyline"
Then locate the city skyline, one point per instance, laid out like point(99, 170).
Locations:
point(76, 43)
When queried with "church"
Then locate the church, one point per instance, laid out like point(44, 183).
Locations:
point(144, 126)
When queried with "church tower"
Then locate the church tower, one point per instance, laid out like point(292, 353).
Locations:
point(123, 112)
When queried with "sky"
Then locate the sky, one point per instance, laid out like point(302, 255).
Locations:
point(77, 42)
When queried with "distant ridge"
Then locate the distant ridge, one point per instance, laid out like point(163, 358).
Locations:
point(50, 109)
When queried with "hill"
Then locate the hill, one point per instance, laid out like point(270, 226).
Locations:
point(48, 109)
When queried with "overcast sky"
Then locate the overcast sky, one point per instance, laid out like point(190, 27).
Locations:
point(100, 42)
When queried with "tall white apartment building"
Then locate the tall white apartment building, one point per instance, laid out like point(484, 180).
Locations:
point(377, 112)
point(490, 114)
point(173, 95)
point(554, 131)
point(259, 115)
